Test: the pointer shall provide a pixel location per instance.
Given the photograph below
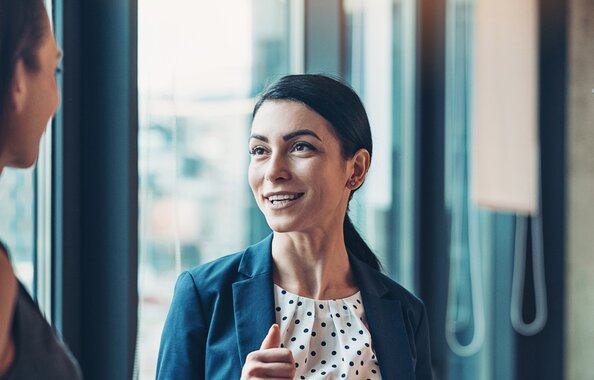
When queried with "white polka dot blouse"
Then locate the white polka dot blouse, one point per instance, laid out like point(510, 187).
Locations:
point(329, 338)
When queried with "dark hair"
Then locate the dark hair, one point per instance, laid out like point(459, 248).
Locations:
point(21, 33)
point(341, 107)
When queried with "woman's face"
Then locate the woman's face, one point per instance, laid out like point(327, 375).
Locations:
point(35, 99)
point(297, 172)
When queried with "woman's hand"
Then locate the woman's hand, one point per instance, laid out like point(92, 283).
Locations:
point(270, 361)
point(8, 293)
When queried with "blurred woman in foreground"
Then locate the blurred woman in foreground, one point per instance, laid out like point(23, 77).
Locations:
point(29, 57)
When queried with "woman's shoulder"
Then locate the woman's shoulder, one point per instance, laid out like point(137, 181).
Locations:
point(212, 283)
point(403, 293)
point(412, 306)
point(39, 351)
point(205, 284)
point(232, 267)
point(398, 292)
point(218, 270)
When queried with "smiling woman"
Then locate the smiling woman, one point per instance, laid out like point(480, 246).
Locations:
point(309, 300)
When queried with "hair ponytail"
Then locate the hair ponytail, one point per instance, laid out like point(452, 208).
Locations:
point(357, 246)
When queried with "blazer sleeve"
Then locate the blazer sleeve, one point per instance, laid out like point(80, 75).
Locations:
point(423, 367)
point(182, 350)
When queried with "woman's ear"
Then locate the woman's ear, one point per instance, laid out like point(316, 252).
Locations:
point(360, 161)
point(18, 88)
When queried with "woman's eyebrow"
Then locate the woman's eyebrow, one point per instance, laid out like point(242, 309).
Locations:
point(289, 136)
point(259, 137)
point(301, 132)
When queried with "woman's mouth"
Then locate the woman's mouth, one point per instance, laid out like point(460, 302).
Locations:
point(278, 201)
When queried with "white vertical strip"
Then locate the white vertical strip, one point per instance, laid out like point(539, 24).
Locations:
point(377, 93)
point(297, 36)
point(43, 216)
point(43, 220)
point(407, 201)
point(505, 121)
point(356, 9)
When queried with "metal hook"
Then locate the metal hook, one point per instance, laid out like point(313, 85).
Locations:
point(519, 278)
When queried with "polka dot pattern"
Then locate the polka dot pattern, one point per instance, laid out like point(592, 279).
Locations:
point(328, 338)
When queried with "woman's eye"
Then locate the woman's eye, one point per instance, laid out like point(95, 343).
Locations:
point(303, 147)
point(257, 151)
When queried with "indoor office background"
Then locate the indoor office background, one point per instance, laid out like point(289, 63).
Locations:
point(142, 173)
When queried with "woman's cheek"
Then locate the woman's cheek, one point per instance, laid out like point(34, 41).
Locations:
point(253, 176)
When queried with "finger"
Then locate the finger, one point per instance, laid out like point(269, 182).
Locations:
point(272, 355)
point(270, 363)
point(272, 339)
point(275, 370)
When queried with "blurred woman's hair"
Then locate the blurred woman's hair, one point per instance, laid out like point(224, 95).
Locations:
point(22, 31)
point(342, 108)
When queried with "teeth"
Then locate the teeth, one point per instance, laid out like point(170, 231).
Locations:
point(284, 197)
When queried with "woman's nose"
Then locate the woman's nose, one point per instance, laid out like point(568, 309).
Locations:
point(277, 169)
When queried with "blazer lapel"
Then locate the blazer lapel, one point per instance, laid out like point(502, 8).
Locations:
point(389, 337)
point(386, 324)
point(253, 298)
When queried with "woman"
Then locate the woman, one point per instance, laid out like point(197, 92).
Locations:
point(29, 58)
point(309, 301)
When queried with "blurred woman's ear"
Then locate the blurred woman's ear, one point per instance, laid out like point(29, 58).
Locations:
point(18, 87)
point(361, 161)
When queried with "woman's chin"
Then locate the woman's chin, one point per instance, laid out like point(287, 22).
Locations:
point(25, 161)
point(281, 226)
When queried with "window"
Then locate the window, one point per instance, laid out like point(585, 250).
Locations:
point(480, 247)
point(380, 62)
point(200, 67)
point(199, 70)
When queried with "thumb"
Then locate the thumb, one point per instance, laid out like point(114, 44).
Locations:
point(272, 339)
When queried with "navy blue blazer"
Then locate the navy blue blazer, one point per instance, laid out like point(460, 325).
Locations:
point(221, 311)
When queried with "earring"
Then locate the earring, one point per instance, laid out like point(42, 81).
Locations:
point(352, 183)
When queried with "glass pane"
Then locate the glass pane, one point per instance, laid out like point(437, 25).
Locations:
point(465, 324)
point(17, 229)
point(200, 66)
point(380, 66)
point(472, 237)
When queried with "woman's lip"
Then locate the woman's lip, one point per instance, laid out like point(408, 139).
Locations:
point(282, 204)
point(268, 195)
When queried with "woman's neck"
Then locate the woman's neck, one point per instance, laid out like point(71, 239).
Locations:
point(314, 265)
